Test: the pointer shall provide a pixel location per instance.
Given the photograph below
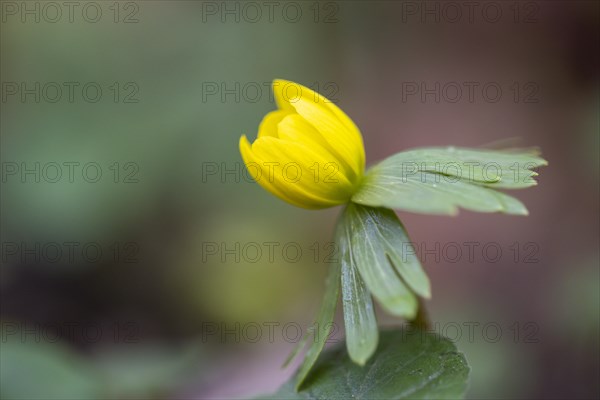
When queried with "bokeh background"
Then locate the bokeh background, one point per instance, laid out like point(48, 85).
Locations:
point(169, 309)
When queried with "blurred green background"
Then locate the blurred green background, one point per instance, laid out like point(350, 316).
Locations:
point(162, 312)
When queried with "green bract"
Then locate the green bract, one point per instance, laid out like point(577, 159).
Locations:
point(439, 180)
point(376, 257)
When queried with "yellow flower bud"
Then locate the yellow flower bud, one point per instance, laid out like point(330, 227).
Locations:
point(308, 152)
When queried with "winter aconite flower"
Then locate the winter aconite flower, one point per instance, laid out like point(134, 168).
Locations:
point(308, 152)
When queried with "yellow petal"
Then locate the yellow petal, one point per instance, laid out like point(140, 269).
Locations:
point(253, 165)
point(302, 173)
point(268, 126)
point(337, 128)
point(284, 91)
point(295, 128)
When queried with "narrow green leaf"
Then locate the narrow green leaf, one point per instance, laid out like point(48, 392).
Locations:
point(511, 205)
point(508, 169)
point(368, 244)
point(299, 346)
point(406, 365)
point(362, 333)
point(392, 236)
point(402, 253)
point(323, 324)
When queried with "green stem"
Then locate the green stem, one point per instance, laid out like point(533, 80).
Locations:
point(421, 320)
